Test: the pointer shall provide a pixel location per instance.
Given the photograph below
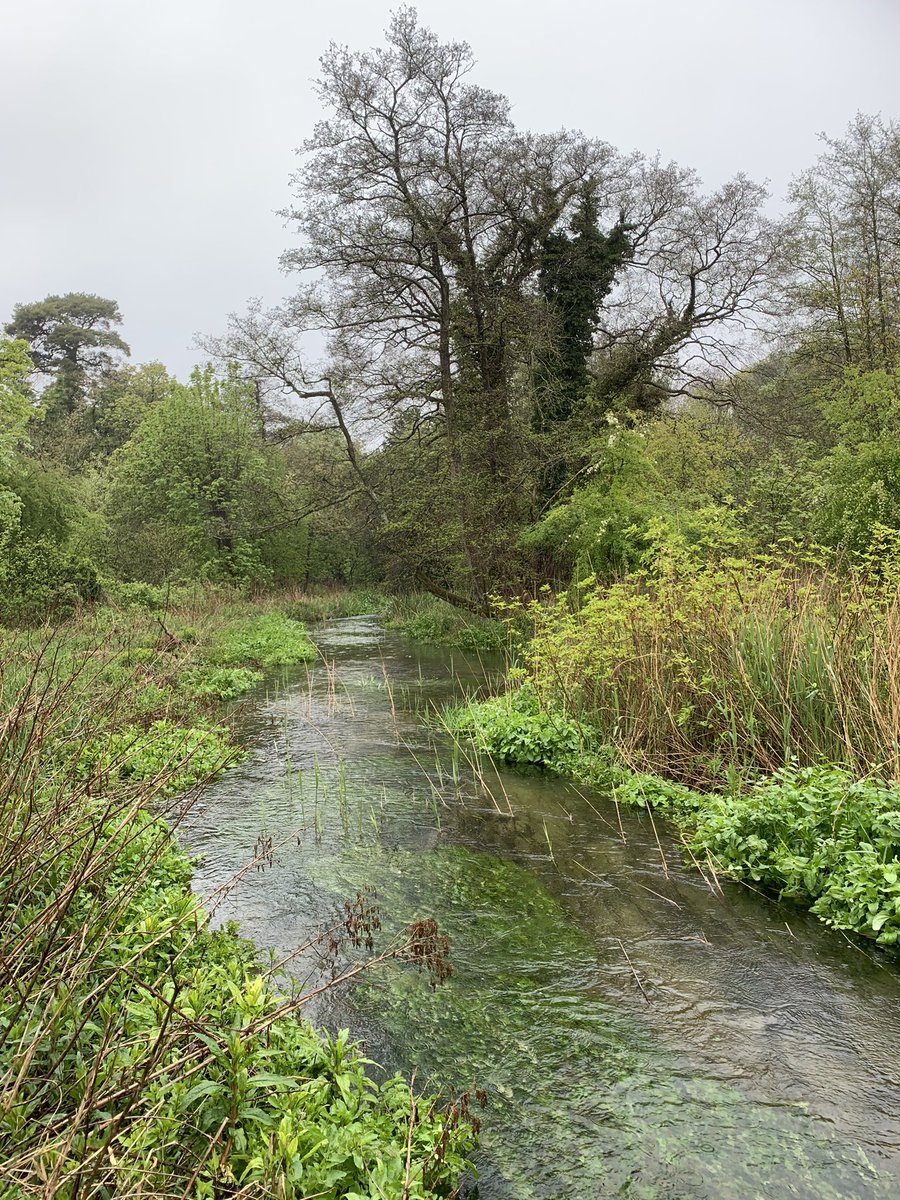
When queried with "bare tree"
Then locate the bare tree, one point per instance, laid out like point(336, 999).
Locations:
point(423, 218)
point(845, 288)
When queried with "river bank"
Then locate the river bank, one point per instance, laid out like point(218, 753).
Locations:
point(815, 835)
point(142, 1051)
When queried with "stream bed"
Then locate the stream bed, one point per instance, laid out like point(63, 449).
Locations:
point(640, 1032)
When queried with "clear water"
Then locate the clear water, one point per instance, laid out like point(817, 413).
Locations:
point(641, 1033)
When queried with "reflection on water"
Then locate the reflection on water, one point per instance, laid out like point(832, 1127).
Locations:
point(640, 1034)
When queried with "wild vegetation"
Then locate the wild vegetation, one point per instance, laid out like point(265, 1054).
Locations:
point(141, 1050)
point(566, 403)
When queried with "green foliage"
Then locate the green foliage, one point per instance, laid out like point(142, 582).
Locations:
point(425, 618)
point(576, 275)
point(191, 493)
point(860, 478)
point(120, 404)
point(816, 834)
point(180, 757)
point(76, 328)
point(221, 683)
point(40, 578)
point(15, 400)
point(138, 595)
point(515, 728)
point(669, 478)
point(271, 640)
point(72, 339)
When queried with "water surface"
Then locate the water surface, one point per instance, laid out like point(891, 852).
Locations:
point(641, 1032)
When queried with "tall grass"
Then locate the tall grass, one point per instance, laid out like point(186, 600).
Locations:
point(701, 670)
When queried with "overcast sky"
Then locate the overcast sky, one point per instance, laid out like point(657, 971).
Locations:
point(146, 145)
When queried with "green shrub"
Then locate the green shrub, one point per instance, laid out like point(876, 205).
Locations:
point(139, 595)
point(39, 577)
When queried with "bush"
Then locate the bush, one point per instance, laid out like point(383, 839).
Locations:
point(41, 578)
point(138, 595)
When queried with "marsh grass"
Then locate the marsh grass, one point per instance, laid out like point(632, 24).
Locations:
point(732, 668)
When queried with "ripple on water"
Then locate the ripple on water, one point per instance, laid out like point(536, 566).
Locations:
point(640, 1035)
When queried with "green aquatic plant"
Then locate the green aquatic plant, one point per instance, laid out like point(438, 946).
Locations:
point(818, 835)
point(516, 728)
point(269, 640)
point(815, 834)
point(178, 756)
point(221, 683)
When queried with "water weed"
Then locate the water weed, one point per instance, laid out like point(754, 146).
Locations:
point(814, 834)
point(270, 640)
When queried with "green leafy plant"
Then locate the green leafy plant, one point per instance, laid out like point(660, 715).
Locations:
point(221, 683)
point(514, 727)
point(270, 640)
point(179, 756)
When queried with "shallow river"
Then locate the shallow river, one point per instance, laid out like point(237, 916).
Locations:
point(641, 1032)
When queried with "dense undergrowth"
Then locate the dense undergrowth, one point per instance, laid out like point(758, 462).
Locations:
point(757, 707)
point(140, 1051)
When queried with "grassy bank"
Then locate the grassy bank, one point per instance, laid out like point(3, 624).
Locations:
point(429, 620)
point(141, 1052)
point(759, 710)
